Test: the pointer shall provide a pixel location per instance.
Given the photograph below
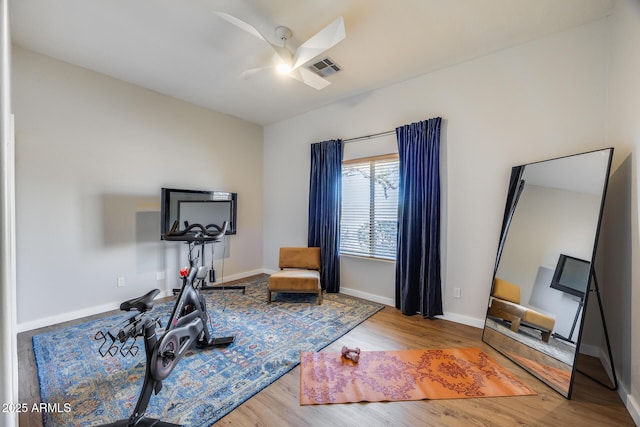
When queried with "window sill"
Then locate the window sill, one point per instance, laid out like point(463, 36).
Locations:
point(369, 258)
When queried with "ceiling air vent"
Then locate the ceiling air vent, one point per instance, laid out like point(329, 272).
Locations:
point(324, 67)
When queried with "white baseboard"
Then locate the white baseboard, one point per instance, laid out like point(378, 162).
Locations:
point(103, 308)
point(65, 317)
point(591, 350)
point(243, 275)
point(630, 403)
point(632, 406)
point(465, 320)
point(369, 297)
point(453, 317)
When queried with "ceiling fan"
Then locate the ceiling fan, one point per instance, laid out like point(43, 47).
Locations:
point(290, 63)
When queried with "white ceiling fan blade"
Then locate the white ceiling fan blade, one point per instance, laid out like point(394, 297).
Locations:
point(246, 74)
point(283, 53)
point(326, 38)
point(241, 24)
point(309, 78)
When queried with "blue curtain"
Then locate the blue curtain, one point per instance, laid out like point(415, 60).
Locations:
point(418, 284)
point(325, 188)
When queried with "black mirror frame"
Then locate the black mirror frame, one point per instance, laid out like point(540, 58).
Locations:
point(499, 341)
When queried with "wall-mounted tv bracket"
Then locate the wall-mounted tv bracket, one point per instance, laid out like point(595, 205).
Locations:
point(198, 235)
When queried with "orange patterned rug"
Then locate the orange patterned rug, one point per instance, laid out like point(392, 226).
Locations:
point(556, 377)
point(404, 375)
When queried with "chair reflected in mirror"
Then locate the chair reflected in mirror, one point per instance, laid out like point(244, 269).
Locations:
point(505, 305)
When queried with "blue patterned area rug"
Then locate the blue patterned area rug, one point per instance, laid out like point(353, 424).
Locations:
point(205, 385)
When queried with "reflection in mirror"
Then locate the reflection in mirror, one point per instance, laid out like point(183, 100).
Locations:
point(542, 273)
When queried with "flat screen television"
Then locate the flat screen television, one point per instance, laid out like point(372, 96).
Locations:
point(571, 275)
point(197, 207)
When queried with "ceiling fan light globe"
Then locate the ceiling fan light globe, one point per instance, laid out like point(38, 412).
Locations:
point(284, 68)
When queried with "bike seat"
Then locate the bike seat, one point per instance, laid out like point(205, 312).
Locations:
point(142, 304)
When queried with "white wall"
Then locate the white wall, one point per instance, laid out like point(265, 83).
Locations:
point(538, 233)
point(8, 342)
point(92, 155)
point(621, 276)
point(533, 102)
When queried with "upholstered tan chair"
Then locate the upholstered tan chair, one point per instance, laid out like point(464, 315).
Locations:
point(505, 304)
point(299, 272)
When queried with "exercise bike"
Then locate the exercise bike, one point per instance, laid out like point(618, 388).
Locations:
point(186, 328)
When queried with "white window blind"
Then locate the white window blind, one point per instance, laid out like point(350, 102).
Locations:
point(369, 219)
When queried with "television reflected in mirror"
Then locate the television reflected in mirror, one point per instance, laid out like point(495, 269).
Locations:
point(542, 275)
point(571, 275)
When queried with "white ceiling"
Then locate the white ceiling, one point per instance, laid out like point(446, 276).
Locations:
point(179, 48)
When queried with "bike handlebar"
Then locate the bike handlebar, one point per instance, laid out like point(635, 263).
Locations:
point(197, 232)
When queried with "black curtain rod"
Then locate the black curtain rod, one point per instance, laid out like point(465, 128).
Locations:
point(375, 135)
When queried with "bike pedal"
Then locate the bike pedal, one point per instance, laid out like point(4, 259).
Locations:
point(223, 341)
point(168, 355)
point(216, 342)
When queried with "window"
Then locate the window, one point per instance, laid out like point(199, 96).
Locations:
point(369, 219)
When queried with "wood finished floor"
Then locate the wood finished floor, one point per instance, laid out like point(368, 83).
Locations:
point(278, 404)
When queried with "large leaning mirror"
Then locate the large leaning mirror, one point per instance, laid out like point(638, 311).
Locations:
point(542, 273)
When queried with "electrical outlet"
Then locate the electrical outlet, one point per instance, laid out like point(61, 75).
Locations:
point(456, 292)
point(120, 281)
point(159, 275)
